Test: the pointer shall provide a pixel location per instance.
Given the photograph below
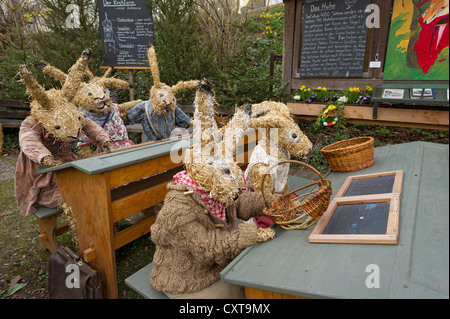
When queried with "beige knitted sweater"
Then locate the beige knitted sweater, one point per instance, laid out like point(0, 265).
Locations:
point(190, 249)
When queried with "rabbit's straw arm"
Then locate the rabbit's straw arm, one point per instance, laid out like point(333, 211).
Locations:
point(184, 85)
point(49, 69)
point(75, 75)
point(124, 107)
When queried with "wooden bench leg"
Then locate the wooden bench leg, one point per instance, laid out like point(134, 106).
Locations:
point(47, 233)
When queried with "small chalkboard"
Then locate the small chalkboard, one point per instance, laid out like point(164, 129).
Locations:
point(334, 36)
point(362, 218)
point(365, 210)
point(371, 186)
point(126, 28)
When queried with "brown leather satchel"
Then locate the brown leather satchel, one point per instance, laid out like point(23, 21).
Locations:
point(71, 278)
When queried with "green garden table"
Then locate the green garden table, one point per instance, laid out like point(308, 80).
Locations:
point(417, 267)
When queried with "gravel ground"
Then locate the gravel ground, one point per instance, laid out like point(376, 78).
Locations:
point(7, 166)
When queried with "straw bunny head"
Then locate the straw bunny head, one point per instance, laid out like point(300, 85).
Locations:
point(268, 115)
point(55, 109)
point(92, 96)
point(206, 162)
point(162, 96)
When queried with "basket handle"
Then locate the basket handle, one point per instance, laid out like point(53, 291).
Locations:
point(285, 162)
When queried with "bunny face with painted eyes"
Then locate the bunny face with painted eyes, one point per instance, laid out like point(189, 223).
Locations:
point(62, 121)
point(54, 109)
point(289, 136)
point(163, 99)
point(292, 139)
point(223, 179)
point(94, 98)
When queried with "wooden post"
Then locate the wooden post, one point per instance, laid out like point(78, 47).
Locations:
point(131, 81)
point(271, 69)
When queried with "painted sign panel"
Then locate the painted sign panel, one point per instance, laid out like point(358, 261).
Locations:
point(418, 45)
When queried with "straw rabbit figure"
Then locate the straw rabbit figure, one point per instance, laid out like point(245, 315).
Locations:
point(46, 137)
point(94, 98)
point(160, 115)
point(280, 138)
point(274, 145)
point(195, 232)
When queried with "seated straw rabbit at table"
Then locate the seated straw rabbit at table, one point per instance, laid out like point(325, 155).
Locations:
point(273, 148)
point(160, 115)
point(47, 136)
point(94, 98)
point(195, 232)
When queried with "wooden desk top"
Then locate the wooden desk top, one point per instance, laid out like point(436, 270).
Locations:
point(418, 267)
point(124, 157)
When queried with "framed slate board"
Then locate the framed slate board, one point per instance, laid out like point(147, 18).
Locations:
point(334, 38)
point(126, 28)
point(364, 211)
point(371, 184)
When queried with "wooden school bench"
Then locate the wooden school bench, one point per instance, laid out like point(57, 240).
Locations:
point(105, 189)
point(48, 229)
point(13, 112)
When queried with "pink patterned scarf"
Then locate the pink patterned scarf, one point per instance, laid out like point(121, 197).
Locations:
point(216, 207)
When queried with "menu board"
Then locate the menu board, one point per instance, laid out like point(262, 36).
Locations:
point(334, 38)
point(126, 28)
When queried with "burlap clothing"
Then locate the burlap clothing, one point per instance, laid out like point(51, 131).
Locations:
point(191, 249)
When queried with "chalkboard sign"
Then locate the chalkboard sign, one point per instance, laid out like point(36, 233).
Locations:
point(126, 28)
point(334, 38)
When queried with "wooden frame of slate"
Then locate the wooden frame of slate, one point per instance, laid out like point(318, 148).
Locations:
point(365, 210)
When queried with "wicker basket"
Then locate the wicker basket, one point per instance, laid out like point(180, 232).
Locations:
point(350, 155)
point(290, 211)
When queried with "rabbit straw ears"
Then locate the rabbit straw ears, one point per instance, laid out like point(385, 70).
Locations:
point(92, 96)
point(55, 109)
point(207, 161)
point(162, 96)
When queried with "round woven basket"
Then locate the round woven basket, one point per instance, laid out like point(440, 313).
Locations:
point(299, 211)
point(350, 155)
